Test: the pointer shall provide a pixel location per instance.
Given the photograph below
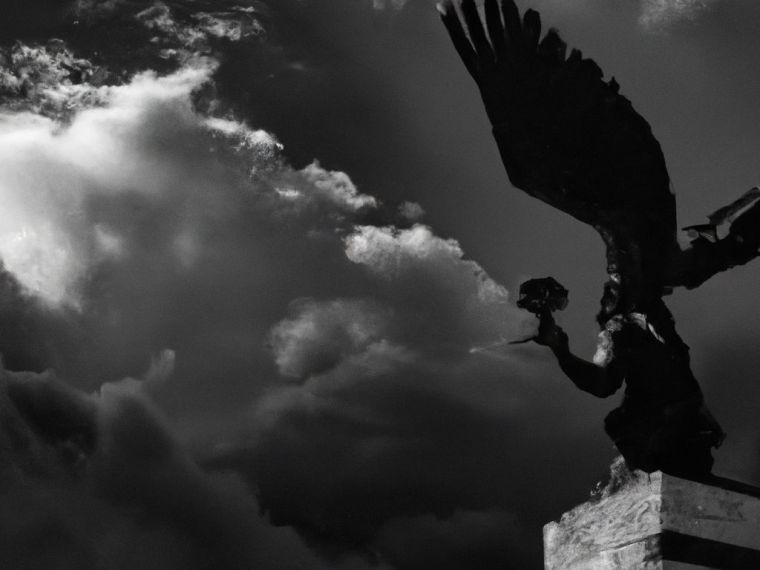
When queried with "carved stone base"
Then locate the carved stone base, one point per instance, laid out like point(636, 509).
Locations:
point(660, 522)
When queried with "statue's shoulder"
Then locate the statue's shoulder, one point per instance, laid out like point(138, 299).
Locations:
point(605, 343)
point(621, 333)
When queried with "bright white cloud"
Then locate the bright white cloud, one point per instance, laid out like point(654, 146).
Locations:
point(49, 172)
point(337, 187)
point(390, 252)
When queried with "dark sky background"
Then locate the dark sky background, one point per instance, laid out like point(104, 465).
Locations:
point(259, 259)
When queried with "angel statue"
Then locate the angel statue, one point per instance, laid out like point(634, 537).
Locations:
point(569, 138)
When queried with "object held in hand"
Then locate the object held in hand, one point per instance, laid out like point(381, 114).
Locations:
point(541, 297)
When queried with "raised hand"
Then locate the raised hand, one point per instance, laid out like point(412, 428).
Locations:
point(550, 333)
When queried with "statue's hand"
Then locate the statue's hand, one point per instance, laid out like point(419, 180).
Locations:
point(550, 333)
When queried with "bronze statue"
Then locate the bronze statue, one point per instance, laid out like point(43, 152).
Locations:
point(568, 138)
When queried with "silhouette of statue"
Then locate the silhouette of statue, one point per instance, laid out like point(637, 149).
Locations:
point(568, 138)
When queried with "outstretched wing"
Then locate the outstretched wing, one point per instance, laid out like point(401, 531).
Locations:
point(568, 137)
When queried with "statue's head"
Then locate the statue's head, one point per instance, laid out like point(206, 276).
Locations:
point(611, 300)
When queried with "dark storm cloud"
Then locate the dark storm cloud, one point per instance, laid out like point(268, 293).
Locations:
point(467, 539)
point(387, 455)
point(97, 481)
point(340, 462)
point(31, 334)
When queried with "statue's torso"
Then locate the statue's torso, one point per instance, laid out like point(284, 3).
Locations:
point(652, 359)
point(662, 422)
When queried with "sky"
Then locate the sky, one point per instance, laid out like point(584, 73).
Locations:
point(259, 263)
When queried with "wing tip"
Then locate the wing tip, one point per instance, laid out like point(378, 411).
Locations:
point(444, 7)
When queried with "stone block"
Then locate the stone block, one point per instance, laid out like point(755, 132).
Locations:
point(660, 522)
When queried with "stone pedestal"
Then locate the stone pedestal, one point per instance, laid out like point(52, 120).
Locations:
point(660, 522)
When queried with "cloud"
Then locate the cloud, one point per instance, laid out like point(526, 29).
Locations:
point(320, 335)
point(454, 303)
point(385, 452)
point(50, 175)
point(47, 79)
point(658, 14)
point(99, 481)
point(388, 4)
point(196, 32)
point(139, 189)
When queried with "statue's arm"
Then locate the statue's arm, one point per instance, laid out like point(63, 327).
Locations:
point(601, 379)
point(707, 255)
